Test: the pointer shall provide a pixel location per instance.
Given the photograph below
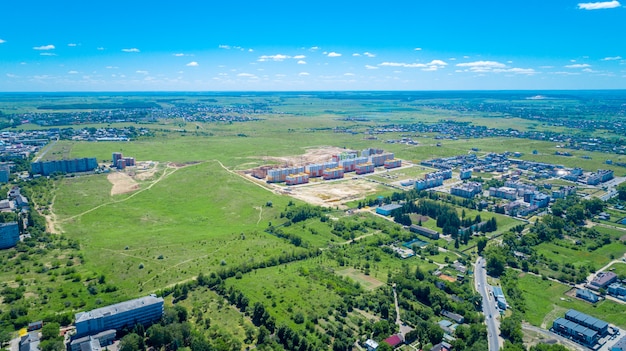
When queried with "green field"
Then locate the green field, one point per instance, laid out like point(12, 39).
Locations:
point(197, 215)
point(546, 301)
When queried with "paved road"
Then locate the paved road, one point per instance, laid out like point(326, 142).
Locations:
point(489, 308)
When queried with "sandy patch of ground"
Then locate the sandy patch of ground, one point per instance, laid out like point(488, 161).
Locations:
point(122, 183)
point(145, 170)
point(329, 194)
point(447, 278)
point(311, 155)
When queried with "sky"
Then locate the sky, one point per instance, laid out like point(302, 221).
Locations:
point(290, 45)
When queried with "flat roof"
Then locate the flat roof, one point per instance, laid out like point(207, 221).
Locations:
point(390, 207)
point(587, 319)
point(118, 308)
point(497, 291)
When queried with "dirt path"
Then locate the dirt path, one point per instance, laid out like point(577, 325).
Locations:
point(172, 169)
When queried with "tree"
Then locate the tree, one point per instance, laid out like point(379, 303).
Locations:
point(263, 335)
point(131, 342)
point(52, 345)
point(495, 264)
point(5, 336)
point(621, 190)
point(481, 244)
point(50, 331)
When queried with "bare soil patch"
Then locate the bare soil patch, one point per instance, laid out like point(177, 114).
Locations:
point(447, 278)
point(311, 155)
point(330, 194)
point(122, 183)
point(145, 170)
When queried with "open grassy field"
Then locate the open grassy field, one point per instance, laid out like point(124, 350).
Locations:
point(175, 236)
point(195, 214)
point(582, 257)
point(546, 301)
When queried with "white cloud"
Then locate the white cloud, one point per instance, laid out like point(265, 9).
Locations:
point(72, 72)
point(10, 75)
point(490, 64)
point(437, 63)
point(578, 65)
point(277, 57)
point(100, 48)
point(225, 47)
point(369, 54)
point(356, 54)
point(314, 48)
point(589, 70)
point(141, 72)
point(418, 49)
point(348, 74)
point(370, 67)
point(180, 54)
point(44, 47)
point(111, 67)
point(72, 44)
point(299, 57)
point(612, 58)
point(303, 74)
point(516, 70)
point(431, 66)
point(246, 75)
point(2, 41)
point(47, 54)
point(302, 62)
point(334, 54)
point(192, 64)
point(599, 5)
point(566, 73)
point(131, 50)
point(250, 50)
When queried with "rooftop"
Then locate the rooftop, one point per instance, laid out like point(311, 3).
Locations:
point(118, 308)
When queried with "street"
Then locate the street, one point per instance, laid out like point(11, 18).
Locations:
point(489, 309)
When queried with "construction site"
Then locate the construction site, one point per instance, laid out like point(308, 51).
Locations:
point(322, 176)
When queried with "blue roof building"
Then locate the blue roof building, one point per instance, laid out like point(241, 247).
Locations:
point(587, 295)
point(9, 235)
point(145, 310)
point(387, 209)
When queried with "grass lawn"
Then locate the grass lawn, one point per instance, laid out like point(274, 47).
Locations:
point(176, 236)
point(582, 257)
point(546, 301)
point(286, 290)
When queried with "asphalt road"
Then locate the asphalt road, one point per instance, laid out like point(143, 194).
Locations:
point(489, 308)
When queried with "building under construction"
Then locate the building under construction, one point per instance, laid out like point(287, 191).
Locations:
point(295, 179)
point(280, 174)
point(364, 168)
point(394, 163)
point(333, 173)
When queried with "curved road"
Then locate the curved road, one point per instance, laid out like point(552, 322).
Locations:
point(489, 308)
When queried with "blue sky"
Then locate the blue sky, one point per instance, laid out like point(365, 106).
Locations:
point(137, 45)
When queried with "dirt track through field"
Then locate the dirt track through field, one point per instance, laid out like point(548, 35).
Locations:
point(166, 172)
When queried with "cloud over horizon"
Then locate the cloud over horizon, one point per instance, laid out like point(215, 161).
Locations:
point(131, 50)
